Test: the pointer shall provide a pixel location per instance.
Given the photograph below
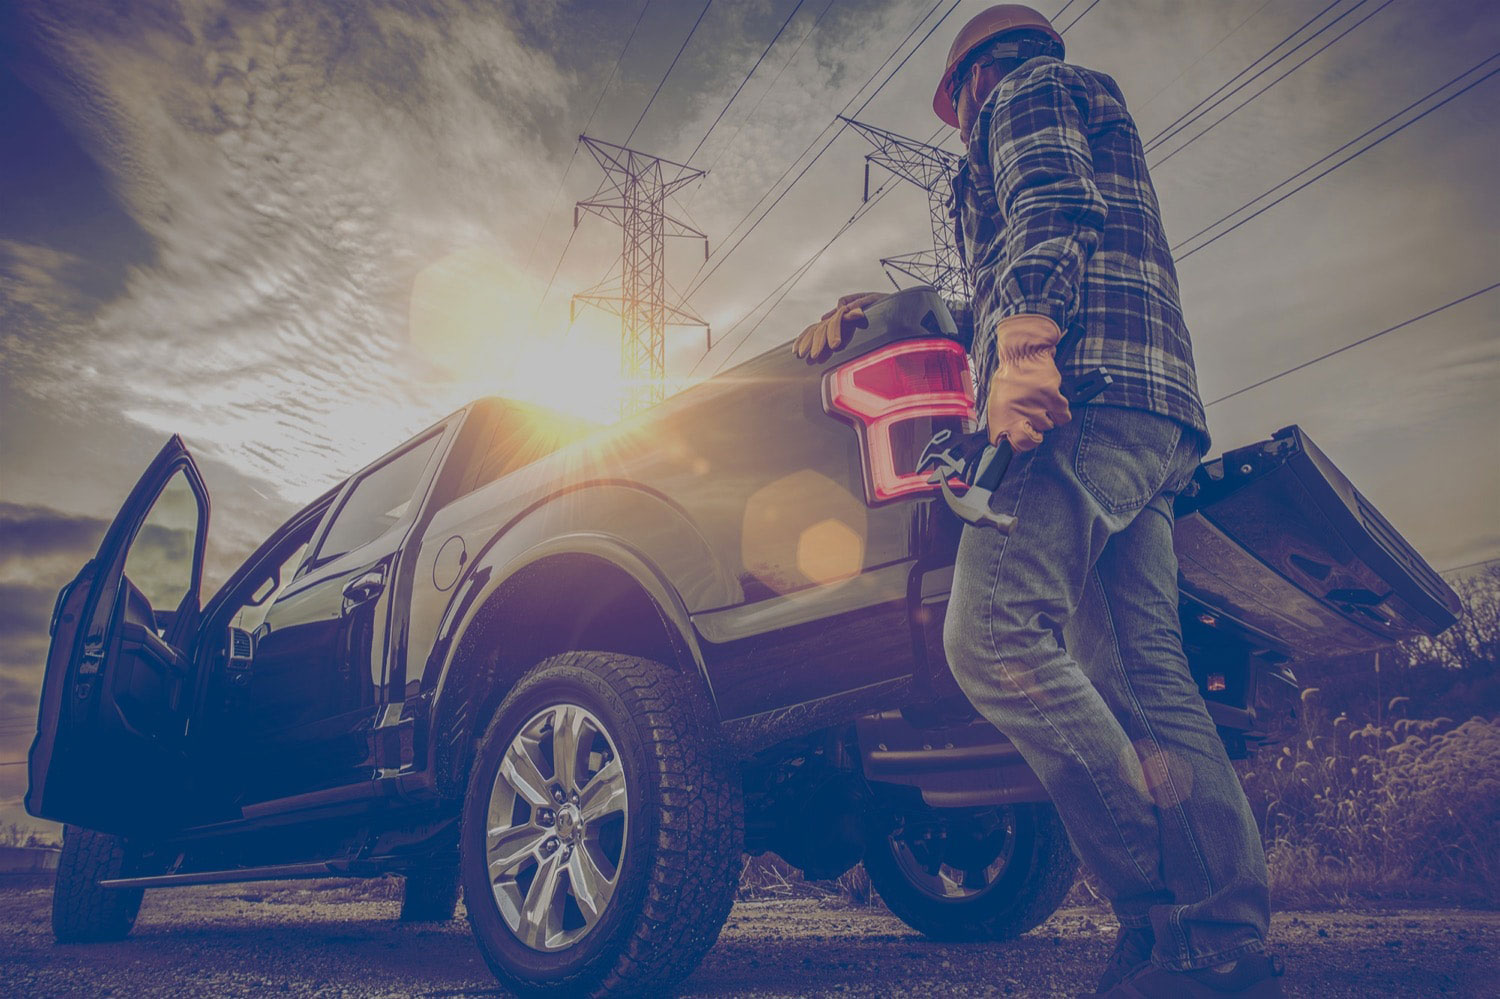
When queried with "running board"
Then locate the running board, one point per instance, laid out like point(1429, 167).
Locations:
point(272, 873)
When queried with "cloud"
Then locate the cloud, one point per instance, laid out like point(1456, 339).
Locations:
point(40, 550)
point(294, 167)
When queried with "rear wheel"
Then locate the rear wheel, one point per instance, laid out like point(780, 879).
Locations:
point(82, 911)
point(973, 874)
point(602, 829)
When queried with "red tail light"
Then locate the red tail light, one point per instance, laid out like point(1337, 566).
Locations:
point(897, 397)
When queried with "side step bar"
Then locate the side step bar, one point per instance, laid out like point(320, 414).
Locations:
point(272, 873)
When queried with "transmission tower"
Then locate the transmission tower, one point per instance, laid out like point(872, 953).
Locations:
point(638, 186)
point(931, 169)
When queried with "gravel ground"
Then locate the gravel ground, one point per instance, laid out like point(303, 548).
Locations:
point(337, 939)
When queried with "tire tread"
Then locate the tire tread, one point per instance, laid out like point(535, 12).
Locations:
point(82, 911)
point(696, 853)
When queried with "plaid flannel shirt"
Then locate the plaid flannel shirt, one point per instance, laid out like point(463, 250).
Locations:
point(1058, 218)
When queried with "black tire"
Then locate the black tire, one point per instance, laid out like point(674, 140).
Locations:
point(678, 832)
point(82, 911)
point(1015, 862)
point(430, 894)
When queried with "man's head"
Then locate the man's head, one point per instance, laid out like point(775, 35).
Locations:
point(993, 43)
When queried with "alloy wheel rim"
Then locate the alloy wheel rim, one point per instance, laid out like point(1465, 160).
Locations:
point(555, 827)
point(953, 883)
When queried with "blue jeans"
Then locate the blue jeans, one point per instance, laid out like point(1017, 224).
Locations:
point(1065, 636)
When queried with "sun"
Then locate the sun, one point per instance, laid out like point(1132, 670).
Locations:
point(474, 316)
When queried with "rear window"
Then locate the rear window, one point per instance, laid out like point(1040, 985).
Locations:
point(515, 438)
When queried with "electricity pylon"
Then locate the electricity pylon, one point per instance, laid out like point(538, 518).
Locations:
point(639, 185)
point(932, 169)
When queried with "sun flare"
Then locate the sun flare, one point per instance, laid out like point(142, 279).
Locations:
point(474, 317)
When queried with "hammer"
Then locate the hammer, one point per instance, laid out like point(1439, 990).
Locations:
point(985, 473)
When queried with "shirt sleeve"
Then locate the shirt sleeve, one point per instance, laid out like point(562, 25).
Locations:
point(1044, 182)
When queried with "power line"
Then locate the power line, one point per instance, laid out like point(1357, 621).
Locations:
point(792, 279)
point(1188, 116)
point(1194, 64)
point(775, 80)
point(578, 144)
point(796, 276)
point(1354, 155)
point(725, 109)
point(1470, 565)
point(698, 283)
point(670, 67)
point(1055, 17)
point(694, 283)
point(562, 256)
point(1080, 17)
point(802, 272)
point(788, 282)
point(1356, 343)
point(1273, 83)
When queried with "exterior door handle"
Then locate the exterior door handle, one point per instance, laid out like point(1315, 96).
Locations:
point(364, 588)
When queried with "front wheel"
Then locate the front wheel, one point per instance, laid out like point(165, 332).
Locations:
point(973, 874)
point(82, 910)
point(602, 829)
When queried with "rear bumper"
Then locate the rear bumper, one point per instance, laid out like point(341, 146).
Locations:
point(970, 764)
point(957, 760)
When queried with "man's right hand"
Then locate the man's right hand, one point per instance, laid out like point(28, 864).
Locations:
point(836, 329)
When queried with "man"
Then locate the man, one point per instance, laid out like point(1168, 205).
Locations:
point(1065, 634)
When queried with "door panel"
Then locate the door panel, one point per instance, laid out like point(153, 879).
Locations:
point(109, 752)
point(311, 700)
point(314, 691)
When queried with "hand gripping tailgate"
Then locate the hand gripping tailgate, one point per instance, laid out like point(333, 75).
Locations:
point(1275, 536)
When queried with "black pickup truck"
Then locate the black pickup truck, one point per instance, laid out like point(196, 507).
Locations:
point(579, 672)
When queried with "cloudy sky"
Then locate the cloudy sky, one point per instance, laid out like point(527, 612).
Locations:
point(295, 231)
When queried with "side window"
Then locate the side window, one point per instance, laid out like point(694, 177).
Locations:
point(161, 558)
point(378, 501)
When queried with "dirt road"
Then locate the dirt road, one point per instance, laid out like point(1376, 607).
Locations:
point(340, 939)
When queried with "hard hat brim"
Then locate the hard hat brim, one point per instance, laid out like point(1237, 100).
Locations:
point(942, 102)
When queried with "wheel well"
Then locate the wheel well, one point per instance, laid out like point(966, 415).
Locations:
point(560, 604)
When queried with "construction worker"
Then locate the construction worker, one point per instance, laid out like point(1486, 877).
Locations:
point(1065, 634)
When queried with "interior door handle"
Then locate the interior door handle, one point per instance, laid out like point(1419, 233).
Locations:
point(364, 588)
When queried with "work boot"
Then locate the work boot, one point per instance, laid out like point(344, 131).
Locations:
point(1251, 977)
point(1132, 949)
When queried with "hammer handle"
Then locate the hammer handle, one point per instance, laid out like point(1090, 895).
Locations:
point(1077, 389)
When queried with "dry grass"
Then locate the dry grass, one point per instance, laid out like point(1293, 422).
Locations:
point(767, 876)
point(1407, 809)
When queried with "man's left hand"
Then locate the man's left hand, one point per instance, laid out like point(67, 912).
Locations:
point(837, 327)
point(1025, 398)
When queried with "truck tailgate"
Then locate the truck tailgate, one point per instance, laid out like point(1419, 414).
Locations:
point(1274, 536)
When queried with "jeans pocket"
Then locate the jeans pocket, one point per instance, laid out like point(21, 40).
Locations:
point(1124, 455)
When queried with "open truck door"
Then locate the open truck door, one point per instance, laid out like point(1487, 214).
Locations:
point(110, 748)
